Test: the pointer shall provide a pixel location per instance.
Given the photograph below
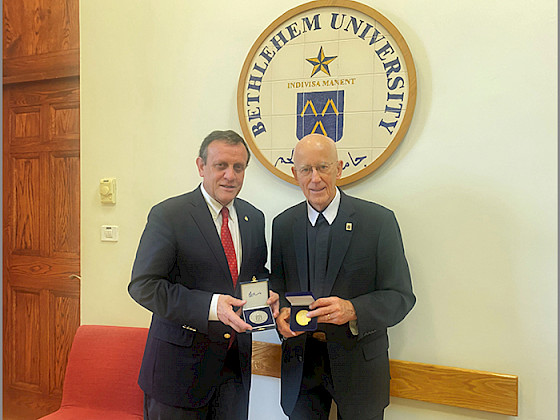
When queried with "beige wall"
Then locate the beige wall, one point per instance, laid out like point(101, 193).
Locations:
point(473, 184)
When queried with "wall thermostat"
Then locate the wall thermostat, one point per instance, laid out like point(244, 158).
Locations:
point(108, 190)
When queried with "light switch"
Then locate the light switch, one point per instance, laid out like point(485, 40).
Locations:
point(109, 233)
point(108, 190)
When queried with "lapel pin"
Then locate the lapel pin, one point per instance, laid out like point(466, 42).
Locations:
point(246, 218)
point(348, 227)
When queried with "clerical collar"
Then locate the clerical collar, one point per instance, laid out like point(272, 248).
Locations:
point(330, 212)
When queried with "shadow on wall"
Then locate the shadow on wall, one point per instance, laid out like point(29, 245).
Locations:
point(461, 243)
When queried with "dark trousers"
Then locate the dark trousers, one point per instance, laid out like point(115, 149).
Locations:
point(317, 392)
point(229, 402)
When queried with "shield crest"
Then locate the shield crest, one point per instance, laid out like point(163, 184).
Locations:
point(321, 113)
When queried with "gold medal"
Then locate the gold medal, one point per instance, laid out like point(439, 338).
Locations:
point(301, 317)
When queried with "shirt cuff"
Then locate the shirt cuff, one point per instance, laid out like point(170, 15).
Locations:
point(213, 312)
point(353, 326)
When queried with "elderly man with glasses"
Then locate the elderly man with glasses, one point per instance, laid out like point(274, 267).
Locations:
point(349, 254)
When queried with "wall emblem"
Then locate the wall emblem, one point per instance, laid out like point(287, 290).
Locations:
point(338, 68)
point(320, 112)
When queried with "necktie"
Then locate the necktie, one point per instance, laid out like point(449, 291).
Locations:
point(229, 249)
point(227, 243)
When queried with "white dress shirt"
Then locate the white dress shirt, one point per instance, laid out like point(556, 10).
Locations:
point(215, 209)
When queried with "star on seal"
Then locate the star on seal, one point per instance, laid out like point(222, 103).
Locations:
point(321, 63)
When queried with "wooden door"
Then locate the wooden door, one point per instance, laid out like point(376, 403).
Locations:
point(41, 238)
point(41, 201)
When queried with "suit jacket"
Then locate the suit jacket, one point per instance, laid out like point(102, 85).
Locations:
point(179, 265)
point(367, 266)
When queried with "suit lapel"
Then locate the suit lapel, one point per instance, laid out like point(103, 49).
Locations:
point(203, 219)
point(299, 229)
point(341, 234)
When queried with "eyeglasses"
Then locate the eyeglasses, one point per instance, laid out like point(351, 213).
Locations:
point(322, 168)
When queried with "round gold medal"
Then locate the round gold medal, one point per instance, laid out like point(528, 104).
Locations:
point(301, 317)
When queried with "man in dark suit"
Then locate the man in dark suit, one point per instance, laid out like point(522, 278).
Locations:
point(362, 283)
point(195, 251)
